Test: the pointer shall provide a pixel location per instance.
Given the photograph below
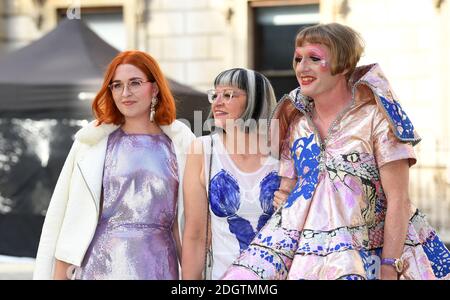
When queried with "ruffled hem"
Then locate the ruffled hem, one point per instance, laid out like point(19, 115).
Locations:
point(343, 253)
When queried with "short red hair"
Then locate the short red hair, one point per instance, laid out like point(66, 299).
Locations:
point(104, 107)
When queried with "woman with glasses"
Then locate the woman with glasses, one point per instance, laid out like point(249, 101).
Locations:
point(349, 145)
point(113, 214)
point(230, 178)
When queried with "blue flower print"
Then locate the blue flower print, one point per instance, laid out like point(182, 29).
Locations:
point(404, 129)
point(305, 153)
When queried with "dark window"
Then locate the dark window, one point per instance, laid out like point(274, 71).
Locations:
point(107, 22)
point(275, 29)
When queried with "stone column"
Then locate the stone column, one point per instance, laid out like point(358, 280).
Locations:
point(17, 24)
point(190, 39)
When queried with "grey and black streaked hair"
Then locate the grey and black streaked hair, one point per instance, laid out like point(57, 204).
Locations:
point(260, 95)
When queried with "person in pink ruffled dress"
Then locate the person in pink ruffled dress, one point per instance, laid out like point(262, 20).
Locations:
point(347, 142)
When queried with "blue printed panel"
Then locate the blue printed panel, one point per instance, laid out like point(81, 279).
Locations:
point(271, 252)
point(371, 260)
point(305, 153)
point(403, 126)
point(224, 194)
point(225, 202)
point(268, 186)
point(351, 277)
point(438, 255)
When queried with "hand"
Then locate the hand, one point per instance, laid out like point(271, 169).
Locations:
point(279, 198)
point(388, 273)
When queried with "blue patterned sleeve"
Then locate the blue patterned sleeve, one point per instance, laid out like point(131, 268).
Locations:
point(386, 146)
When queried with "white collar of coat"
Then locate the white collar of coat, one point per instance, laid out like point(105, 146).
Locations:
point(91, 134)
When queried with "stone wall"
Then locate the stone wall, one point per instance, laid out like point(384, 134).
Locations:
point(192, 39)
point(17, 24)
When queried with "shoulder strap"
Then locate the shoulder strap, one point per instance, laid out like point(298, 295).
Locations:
point(210, 164)
point(208, 216)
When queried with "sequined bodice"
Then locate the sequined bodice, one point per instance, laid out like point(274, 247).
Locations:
point(134, 237)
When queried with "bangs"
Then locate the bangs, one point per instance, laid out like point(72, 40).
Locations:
point(260, 95)
point(313, 36)
point(233, 77)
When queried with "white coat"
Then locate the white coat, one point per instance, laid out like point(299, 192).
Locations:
point(73, 212)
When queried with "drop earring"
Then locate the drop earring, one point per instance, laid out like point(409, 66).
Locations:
point(152, 108)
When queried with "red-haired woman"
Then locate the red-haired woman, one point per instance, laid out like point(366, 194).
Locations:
point(113, 214)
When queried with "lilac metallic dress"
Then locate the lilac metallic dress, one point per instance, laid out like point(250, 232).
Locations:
point(134, 239)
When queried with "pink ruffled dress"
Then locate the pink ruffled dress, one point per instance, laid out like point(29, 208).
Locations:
point(332, 224)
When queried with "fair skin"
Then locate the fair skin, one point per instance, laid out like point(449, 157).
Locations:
point(194, 186)
point(395, 180)
point(135, 107)
point(331, 95)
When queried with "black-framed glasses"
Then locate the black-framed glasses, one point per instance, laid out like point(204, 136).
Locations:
point(227, 95)
point(132, 86)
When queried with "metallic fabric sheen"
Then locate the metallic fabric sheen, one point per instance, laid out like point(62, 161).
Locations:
point(134, 239)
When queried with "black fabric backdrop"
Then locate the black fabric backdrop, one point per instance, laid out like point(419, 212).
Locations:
point(40, 111)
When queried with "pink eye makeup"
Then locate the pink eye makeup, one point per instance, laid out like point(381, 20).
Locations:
point(312, 54)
